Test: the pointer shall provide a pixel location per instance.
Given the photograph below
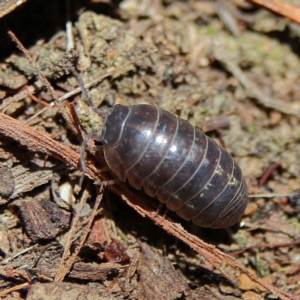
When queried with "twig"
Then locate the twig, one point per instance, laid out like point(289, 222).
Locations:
point(28, 56)
point(267, 173)
point(69, 30)
point(14, 288)
point(254, 91)
point(65, 267)
point(284, 9)
point(8, 6)
point(287, 244)
point(20, 95)
point(67, 249)
point(225, 11)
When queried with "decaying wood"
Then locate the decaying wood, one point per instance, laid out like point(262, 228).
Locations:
point(156, 274)
point(43, 219)
point(94, 272)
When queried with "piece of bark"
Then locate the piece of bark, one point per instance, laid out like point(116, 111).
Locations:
point(43, 219)
point(7, 182)
point(5, 247)
point(109, 249)
point(13, 82)
point(208, 294)
point(216, 123)
point(66, 290)
point(158, 279)
point(26, 180)
point(93, 271)
point(49, 259)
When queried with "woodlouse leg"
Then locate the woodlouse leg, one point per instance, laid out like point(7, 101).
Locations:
point(109, 182)
point(84, 146)
point(159, 208)
point(95, 148)
point(165, 212)
point(87, 138)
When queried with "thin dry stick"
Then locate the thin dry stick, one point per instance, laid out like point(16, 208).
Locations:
point(20, 95)
point(36, 99)
point(254, 91)
point(14, 288)
point(29, 120)
point(140, 202)
point(71, 233)
point(8, 6)
point(131, 270)
point(289, 244)
point(66, 267)
point(284, 9)
point(28, 56)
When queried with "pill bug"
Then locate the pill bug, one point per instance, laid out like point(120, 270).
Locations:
point(176, 163)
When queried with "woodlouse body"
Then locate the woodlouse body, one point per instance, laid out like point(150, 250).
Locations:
point(176, 163)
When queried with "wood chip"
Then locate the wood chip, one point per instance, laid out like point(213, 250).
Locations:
point(157, 275)
point(7, 182)
point(43, 219)
point(93, 272)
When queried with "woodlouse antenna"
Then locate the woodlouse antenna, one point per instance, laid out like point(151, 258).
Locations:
point(92, 135)
point(86, 95)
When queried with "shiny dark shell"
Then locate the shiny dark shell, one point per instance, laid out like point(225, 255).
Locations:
point(175, 162)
